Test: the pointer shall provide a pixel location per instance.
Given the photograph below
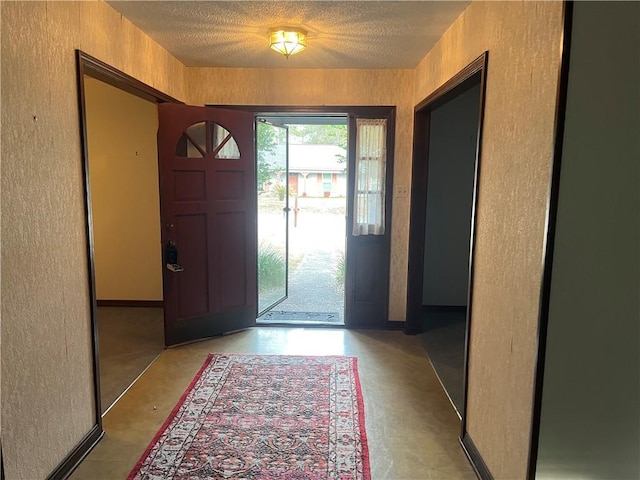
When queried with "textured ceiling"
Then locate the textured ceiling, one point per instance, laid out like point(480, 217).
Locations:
point(356, 34)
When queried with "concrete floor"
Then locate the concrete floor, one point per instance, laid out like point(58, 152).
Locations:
point(443, 338)
point(314, 294)
point(129, 340)
point(411, 426)
point(316, 242)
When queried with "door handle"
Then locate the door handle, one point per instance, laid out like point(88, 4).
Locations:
point(171, 257)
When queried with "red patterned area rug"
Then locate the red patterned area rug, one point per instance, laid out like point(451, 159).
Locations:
point(264, 417)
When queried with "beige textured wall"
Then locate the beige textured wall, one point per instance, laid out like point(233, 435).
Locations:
point(47, 398)
point(125, 202)
point(523, 40)
point(227, 86)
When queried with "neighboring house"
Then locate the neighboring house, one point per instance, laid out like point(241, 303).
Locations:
point(314, 170)
point(318, 170)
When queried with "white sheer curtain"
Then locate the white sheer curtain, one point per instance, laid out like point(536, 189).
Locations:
point(370, 171)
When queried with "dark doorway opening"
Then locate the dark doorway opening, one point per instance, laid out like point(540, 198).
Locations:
point(444, 194)
point(451, 168)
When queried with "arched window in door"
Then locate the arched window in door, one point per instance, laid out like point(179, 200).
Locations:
point(207, 139)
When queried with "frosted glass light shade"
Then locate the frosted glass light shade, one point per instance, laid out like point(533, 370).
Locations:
point(287, 41)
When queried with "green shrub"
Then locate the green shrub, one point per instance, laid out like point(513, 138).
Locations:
point(340, 269)
point(271, 267)
point(281, 191)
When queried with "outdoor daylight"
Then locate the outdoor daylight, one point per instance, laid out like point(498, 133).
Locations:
point(301, 222)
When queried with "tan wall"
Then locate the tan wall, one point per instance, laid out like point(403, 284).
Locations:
point(123, 166)
point(523, 40)
point(47, 399)
point(228, 86)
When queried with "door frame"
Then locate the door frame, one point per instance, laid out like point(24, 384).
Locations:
point(350, 111)
point(458, 84)
point(92, 67)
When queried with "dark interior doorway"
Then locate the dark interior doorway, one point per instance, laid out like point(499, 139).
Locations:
point(452, 153)
point(444, 193)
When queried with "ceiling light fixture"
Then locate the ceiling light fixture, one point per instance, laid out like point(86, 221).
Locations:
point(287, 40)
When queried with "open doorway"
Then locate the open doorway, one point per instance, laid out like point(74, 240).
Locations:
point(452, 153)
point(302, 208)
point(122, 170)
point(444, 194)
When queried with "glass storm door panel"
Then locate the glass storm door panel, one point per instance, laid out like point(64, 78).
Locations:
point(272, 145)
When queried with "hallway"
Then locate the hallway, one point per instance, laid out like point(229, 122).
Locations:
point(411, 426)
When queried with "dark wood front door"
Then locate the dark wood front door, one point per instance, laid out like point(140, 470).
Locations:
point(208, 212)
